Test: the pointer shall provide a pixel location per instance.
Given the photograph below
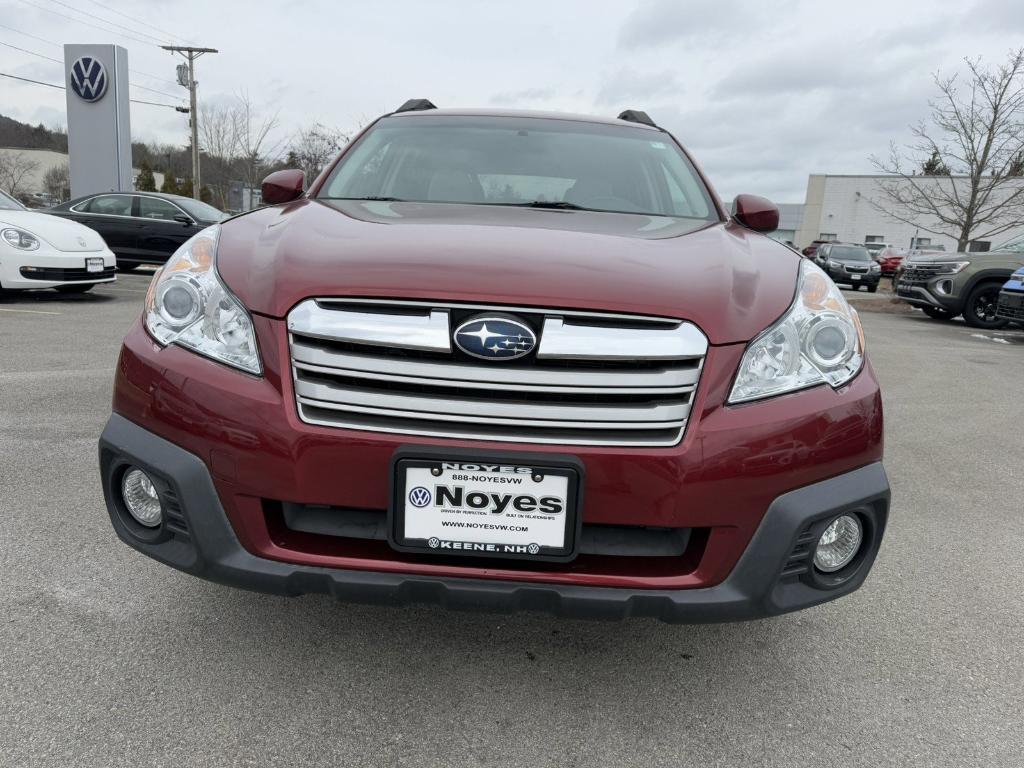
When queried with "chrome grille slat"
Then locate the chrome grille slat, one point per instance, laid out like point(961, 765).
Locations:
point(603, 379)
point(507, 409)
point(305, 355)
point(512, 421)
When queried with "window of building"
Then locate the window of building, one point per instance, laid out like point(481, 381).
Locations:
point(827, 236)
point(920, 242)
point(874, 239)
point(980, 246)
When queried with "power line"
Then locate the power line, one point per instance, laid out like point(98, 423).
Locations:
point(58, 61)
point(110, 23)
point(158, 78)
point(62, 88)
point(137, 21)
point(86, 23)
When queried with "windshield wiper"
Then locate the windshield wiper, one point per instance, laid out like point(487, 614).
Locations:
point(555, 205)
point(375, 198)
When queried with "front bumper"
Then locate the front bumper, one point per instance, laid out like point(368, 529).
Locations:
point(860, 278)
point(46, 268)
point(1011, 304)
point(772, 576)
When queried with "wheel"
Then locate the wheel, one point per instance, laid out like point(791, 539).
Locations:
point(127, 266)
point(980, 307)
point(79, 288)
point(935, 313)
point(872, 288)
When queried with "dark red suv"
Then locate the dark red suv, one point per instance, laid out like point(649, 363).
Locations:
point(502, 360)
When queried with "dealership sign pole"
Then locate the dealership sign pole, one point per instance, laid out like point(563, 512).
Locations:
point(99, 127)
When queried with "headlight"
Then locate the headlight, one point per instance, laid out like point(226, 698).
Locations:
point(834, 264)
point(20, 239)
point(187, 304)
point(876, 267)
point(818, 341)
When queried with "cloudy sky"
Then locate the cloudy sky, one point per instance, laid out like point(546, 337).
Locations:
point(763, 93)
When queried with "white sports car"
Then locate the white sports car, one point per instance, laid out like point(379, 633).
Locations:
point(41, 251)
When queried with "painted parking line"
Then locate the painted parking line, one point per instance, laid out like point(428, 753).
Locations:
point(30, 311)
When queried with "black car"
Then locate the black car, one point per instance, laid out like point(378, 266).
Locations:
point(850, 265)
point(140, 227)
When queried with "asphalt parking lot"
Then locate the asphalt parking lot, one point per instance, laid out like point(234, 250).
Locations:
point(110, 659)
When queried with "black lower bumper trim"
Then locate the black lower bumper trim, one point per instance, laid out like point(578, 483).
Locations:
point(756, 588)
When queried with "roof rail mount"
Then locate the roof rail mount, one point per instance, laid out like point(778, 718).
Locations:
point(416, 105)
point(636, 116)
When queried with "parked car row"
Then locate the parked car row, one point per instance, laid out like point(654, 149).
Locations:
point(947, 285)
point(83, 242)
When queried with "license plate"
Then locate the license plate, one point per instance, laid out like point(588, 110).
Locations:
point(506, 506)
point(855, 277)
point(94, 265)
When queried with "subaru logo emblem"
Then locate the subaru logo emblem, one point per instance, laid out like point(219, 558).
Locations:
point(88, 78)
point(419, 496)
point(495, 338)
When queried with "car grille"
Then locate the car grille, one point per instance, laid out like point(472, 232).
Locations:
point(919, 273)
point(856, 270)
point(596, 379)
point(54, 274)
point(1011, 306)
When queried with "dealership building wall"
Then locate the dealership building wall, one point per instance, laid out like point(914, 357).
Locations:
point(852, 209)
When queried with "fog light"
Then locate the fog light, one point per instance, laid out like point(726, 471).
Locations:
point(839, 544)
point(141, 498)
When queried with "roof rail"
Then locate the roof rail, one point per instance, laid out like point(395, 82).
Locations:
point(416, 105)
point(636, 116)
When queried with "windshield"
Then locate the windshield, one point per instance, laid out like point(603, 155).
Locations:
point(1015, 246)
point(200, 210)
point(521, 161)
point(849, 253)
point(8, 203)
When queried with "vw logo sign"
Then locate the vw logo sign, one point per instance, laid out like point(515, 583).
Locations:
point(419, 496)
point(495, 338)
point(89, 78)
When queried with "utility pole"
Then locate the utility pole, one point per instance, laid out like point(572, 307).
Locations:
point(191, 54)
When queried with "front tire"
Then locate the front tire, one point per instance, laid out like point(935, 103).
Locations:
point(79, 288)
point(935, 313)
point(872, 288)
point(980, 308)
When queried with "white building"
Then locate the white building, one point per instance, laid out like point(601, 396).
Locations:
point(39, 161)
point(851, 209)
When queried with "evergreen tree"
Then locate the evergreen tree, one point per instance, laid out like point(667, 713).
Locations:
point(170, 186)
point(934, 166)
point(145, 181)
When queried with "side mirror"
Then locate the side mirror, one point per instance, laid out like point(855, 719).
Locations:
point(182, 218)
point(282, 186)
point(756, 213)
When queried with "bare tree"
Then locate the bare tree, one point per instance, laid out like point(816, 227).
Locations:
point(975, 136)
point(217, 140)
point(314, 147)
point(57, 182)
point(254, 141)
point(14, 170)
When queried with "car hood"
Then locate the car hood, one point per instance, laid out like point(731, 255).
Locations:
point(62, 234)
point(731, 282)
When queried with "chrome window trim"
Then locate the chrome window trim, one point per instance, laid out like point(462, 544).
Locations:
point(75, 208)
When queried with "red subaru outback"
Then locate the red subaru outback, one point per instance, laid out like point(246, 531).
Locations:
point(502, 360)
